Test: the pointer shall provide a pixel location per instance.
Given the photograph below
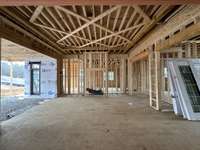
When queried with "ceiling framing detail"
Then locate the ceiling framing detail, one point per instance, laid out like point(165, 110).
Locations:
point(75, 28)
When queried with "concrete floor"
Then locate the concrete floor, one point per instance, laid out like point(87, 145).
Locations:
point(99, 123)
point(12, 106)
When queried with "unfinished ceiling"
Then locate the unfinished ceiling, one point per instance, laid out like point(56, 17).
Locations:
point(74, 29)
point(14, 52)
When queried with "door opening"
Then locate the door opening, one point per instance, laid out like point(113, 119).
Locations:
point(35, 78)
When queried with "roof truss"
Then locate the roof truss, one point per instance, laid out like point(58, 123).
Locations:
point(75, 28)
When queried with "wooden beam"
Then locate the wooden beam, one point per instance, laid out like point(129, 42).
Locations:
point(191, 41)
point(90, 22)
point(28, 40)
point(164, 30)
point(139, 56)
point(172, 50)
point(114, 24)
point(36, 13)
point(130, 77)
point(76, 42)
point(142, 32)
point(157, 80)
point(187, 33)
point(96, 2)
point(150, 57)
point(114, 34)
point(53, 46)
point(64, 32)
point(45, 20)
point(79, 22)
point(144, 15)
point(59, 77)
point(194, 50)
point(96, 48)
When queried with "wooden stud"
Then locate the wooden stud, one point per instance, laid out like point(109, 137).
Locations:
point(36, 13)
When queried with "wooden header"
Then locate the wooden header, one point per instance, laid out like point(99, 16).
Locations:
point(95, 2)
point(140, 56)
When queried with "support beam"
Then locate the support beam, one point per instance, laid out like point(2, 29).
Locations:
point(175, 23)
point(96, 2)
point(144, 15)
point(36, 13)
point(172, 50)
point(34, 44)
point(114, 34)
point(194, 50)
point(188, 50)
point(69, 76)
point(53, 46)
point(87, 20)
point(123, 74)
point(59, 77)
point(157, 80)
point(139, 56)
point(130, 77)
point(90, 22)
point(192, 31)
point(64, 32)
point(150, 56)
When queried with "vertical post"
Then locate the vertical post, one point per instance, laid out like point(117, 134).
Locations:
point(64, 76)
point(188, 50)
point(78, 74)
point(123, 75)
point(59, 76)
point(130, 77)
point(157, 79)
point(69, 77)
point(180, 53)
point(150, 76)
point(106, 68)
point(90, 73)
point(162, 68)
point(116, 80)
point(100, 66)
point(142, 75)
point(194, 50)
point(85, 73)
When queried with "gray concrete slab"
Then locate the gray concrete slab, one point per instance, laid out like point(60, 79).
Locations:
point(99, 123)
point(12, 106)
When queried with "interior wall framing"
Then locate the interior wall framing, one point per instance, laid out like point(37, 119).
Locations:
point(149, 75)
point(95, 70)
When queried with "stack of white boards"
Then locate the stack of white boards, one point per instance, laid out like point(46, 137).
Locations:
point(184, 85)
